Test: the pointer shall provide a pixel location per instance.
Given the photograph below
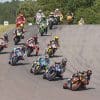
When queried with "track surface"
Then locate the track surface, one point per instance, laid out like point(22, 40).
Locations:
point(81, 46)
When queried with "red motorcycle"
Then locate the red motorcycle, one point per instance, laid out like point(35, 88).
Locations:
point(30, 47)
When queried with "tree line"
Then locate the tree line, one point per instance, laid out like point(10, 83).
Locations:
point(88, 9)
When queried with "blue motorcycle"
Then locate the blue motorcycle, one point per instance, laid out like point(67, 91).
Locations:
point(52, 73)
point(14, 58)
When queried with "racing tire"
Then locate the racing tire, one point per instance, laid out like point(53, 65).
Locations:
point(16, 40)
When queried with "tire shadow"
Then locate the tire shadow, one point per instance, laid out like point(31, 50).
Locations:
point(22, 64)
point(21, 44)
point(34, 55)
point(46, 35)
point(4, 52)
point(85, 89)
point(56, 56)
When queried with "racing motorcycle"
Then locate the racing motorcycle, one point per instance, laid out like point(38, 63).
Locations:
point(51, 51)
point(18, 37)
point(51, 74)
point(78, 81)
point(3, 45)
point(13, 60)
point(43, 29)
point(57, 20)
point(39, 66)
point(50, 23)
point(53, 21)
point(30, 48)
point(56, 70)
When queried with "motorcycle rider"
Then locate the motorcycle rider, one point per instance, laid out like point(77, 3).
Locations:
point(20, 19)
point(45, 59)
point(81, 21)
point(44, 24)
point(17, 32)
point(70, 17)
point(18, 51)
point(53, 46)
point(39, 16)
point(42, 62)
point(32, 41)
point(48, 48)
point(79, 80)
point(59, 67)
point(57, 13)
point(43, 20)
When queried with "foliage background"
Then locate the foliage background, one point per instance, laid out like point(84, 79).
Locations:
point(88, 9)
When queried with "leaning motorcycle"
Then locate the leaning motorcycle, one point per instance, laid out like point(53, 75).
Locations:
point(50, 23)
point(30, 48)
point(3, 45)
point(13, 60)
point(38, 67)
point(51, 74)
point(17, 38)
point(51, 51)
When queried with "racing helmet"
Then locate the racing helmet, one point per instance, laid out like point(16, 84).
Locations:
point(14, 49)
point(40, 11)
point(21, 15)
point(56, 9)
point(56, 37)
point(51, 13)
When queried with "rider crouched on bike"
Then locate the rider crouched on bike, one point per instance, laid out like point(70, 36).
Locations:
point(33, 42)
point(45, 59)
point(42, 61)
point(53, 46)
point(17, 32)
point(47, 48)
point(60, 67)
point(43, 21)
point(39, 16)
point(78, 81)
point(18, 51)
point(58, 13)
point(20, 19)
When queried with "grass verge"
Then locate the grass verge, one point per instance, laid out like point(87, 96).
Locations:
point(6, 28)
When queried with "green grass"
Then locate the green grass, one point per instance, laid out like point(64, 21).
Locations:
point(6, 28)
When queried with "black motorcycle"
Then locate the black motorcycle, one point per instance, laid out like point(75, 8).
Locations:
point(19, 34)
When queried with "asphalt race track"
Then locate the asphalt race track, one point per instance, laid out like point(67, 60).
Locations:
point(79, 44)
